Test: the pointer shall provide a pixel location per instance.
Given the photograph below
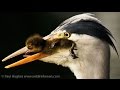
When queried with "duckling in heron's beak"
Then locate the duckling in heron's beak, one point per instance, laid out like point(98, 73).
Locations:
point(35, 44)
point(38, 48)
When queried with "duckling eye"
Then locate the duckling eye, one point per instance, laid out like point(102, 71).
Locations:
point(66, 34)
point(30, 47)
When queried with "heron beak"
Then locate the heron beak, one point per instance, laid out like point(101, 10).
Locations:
point(18, 52)
point(49, 37)
point(27, 60)
point(54, 36)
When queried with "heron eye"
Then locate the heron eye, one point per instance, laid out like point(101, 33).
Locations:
point(67, 34)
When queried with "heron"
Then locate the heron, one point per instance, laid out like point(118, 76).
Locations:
point(85, 50)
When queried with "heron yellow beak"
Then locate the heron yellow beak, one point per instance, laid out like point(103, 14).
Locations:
point(16, 53)
point(27, 60)
point(59, 35)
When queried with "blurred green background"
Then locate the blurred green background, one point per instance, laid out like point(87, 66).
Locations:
point(16, 27)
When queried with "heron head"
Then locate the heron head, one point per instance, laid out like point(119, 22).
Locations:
point(50, 50)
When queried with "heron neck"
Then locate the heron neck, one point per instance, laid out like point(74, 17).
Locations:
point(91, 71)
point(93, 61)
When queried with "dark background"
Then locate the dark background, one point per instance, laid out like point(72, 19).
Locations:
point(16, 27)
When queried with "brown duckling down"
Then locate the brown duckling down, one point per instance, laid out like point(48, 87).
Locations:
point(36, 43)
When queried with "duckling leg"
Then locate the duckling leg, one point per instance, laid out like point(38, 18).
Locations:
point(72, 51)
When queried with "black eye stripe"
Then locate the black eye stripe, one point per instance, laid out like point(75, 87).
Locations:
point(91, 28)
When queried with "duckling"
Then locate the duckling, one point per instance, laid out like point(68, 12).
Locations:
point(36, 43)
